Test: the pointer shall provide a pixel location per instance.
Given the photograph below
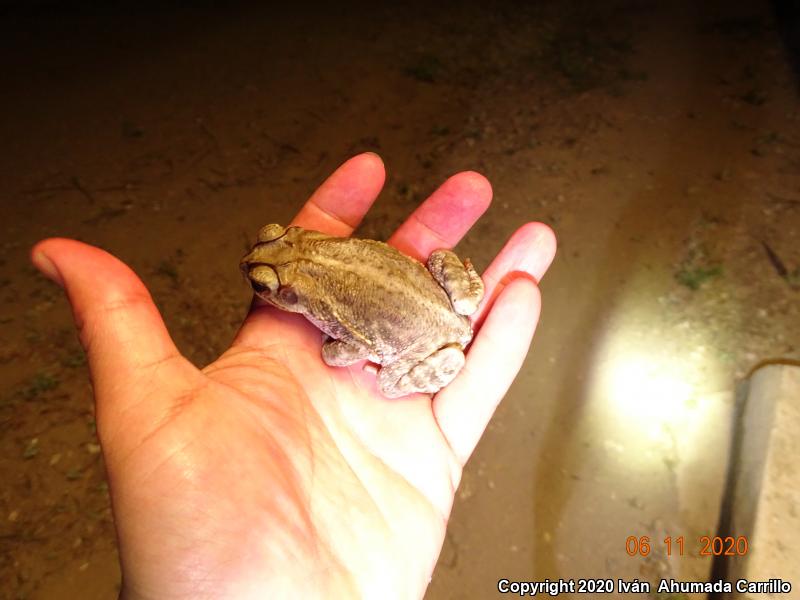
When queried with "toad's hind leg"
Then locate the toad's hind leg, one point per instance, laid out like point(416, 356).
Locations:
point(426, 376)
point(460, 280)
point(339, 353)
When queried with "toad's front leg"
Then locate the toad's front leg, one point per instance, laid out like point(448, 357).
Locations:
point(341, 353)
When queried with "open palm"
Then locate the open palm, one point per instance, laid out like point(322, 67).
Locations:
point(268, 473)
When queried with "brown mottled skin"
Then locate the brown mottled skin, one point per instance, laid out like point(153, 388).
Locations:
point(373, 301)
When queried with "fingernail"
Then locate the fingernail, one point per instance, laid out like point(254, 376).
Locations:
point(46, 266)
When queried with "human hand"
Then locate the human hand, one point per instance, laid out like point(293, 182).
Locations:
point(268, 473)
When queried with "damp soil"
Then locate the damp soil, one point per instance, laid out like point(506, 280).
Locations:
point(661, 141)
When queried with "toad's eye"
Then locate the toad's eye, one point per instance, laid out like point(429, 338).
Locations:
point(260, 288)
point(270, 233)
point(264, 280)
point(287, 295)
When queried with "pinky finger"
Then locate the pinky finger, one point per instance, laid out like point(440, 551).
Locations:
point(463, 409)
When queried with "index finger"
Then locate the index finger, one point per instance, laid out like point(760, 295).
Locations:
point(339, 204)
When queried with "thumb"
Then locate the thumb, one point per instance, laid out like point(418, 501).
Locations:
point(130, 352)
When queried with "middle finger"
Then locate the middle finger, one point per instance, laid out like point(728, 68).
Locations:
point(443, 219)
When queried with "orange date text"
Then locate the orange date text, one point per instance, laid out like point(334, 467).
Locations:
point(707, 545)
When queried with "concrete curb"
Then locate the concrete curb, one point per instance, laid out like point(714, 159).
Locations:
point(764, 505)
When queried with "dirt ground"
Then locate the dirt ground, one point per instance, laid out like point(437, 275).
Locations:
point(661, 141)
